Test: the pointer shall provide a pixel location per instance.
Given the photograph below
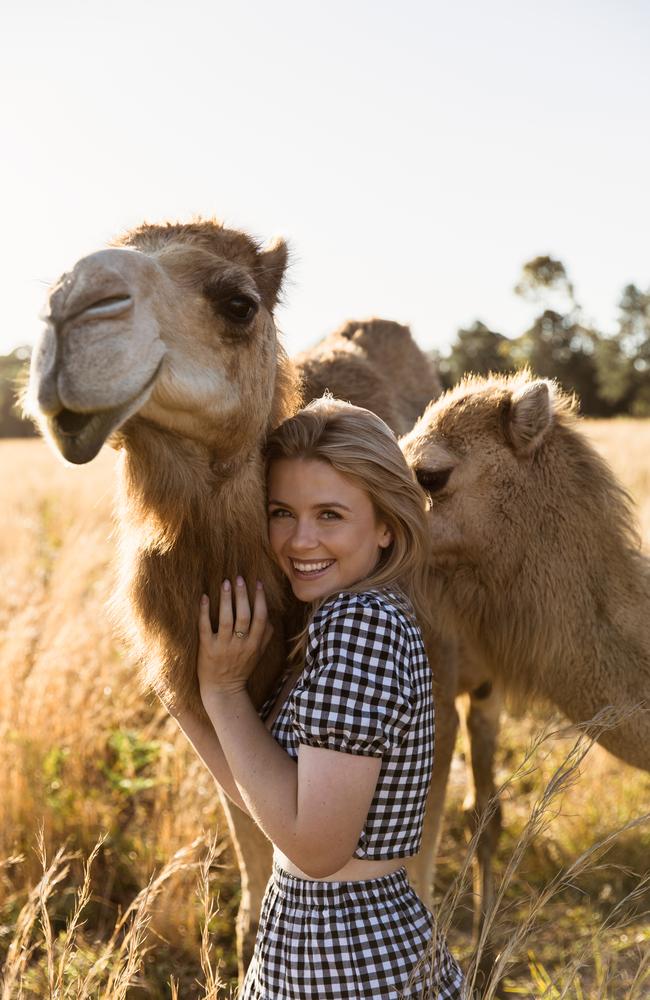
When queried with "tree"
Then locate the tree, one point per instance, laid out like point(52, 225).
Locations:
point(623, 361)
point(634, 341)
point(476, 349)
point(558, 347)
point(545, 280)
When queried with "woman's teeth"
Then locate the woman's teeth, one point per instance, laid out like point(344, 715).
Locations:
point(312, 567)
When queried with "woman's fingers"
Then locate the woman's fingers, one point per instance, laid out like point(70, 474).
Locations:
point(243, 617)
point(225, 610)
point(205, 625)
point(243, 626)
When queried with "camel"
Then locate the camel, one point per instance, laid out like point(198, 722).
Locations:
point(164, 346)
point(535, 557)
point(378, 359)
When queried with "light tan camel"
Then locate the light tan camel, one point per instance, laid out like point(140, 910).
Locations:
point(165, 347)
point(537, 562)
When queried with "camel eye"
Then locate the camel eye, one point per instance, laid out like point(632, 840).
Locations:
point(433, 480)
point(239, 308)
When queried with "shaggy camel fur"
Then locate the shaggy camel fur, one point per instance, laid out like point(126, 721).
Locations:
point(165, 347)
point(376, 359)
point(536, 556)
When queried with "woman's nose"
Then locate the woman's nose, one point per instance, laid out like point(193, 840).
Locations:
point(304, 535)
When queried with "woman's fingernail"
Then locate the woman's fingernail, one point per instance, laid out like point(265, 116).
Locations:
point(204, 598)
point(259, 585)
point(240, 581)
point(226, 584)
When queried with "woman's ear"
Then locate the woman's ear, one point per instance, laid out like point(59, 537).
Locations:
point(385, 536)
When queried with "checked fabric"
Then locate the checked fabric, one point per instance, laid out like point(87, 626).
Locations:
point(365, 689)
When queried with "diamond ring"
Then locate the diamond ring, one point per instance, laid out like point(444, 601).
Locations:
point(240, 635)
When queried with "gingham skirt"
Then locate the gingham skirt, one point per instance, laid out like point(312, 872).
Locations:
point(356, 940)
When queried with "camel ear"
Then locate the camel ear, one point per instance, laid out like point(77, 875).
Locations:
point(269, 272)
point(530, 416)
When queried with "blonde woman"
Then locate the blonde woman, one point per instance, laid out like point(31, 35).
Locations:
point(336, 765)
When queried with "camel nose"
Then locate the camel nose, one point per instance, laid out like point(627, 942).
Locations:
point(104, 307)
point(94, 290)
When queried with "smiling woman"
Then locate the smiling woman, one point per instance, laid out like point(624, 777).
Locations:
point(336, 765)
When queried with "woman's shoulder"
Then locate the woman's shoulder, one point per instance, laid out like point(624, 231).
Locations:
point(378, 605)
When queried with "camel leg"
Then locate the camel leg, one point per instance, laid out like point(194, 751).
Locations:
point(421, 869)
point(254, 856)
point(482, 725)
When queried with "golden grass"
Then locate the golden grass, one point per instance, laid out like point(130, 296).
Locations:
point(92, 769)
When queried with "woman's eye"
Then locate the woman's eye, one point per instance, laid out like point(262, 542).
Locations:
point(279, 512)
point(239, 308)
point(330, 515)
point(433, 480)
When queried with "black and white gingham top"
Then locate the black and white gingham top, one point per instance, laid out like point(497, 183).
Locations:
point(366, 689)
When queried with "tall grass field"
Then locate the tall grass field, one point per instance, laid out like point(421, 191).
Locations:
point(117, 878)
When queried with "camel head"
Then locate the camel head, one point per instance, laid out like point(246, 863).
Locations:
point(472, 452)
point(172, 325)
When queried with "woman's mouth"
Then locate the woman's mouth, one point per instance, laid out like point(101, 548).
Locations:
point(310, 570)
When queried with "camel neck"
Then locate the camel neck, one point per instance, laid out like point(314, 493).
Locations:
point(174, 486)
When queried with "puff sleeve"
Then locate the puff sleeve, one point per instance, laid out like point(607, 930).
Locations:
point(356, 696)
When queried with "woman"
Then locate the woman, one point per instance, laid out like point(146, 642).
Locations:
point(336, 766)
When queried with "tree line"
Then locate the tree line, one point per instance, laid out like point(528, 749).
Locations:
point(609, 373)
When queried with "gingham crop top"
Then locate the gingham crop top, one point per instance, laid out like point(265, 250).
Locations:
point(366, 689)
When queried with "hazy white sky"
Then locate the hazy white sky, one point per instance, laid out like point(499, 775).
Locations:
point(414, 154)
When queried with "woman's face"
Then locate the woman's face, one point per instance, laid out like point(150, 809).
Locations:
point(323, 528)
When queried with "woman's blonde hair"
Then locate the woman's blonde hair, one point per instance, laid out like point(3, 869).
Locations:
point(359, 445)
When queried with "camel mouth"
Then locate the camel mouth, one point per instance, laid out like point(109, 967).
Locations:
point(80, 436)
point(69, 423)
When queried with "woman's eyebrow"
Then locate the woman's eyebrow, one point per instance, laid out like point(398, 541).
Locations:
point(334, 503)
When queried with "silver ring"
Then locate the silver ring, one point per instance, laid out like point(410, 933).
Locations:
point(240, 635)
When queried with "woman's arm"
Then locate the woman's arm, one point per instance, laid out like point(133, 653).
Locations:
point(313, 809)
point(207, 746)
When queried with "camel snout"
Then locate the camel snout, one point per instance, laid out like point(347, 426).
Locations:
point(106, 307)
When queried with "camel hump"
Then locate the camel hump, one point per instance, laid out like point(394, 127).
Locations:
point(374, 363)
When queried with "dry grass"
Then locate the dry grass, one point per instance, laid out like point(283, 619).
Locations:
point(87, 762)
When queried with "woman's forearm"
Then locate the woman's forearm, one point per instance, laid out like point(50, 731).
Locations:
point(264, 773)
point(207, 746)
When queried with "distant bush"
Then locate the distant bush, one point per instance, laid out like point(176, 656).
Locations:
point(13, 371)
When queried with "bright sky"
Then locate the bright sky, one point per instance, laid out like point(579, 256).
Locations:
point(414, 154)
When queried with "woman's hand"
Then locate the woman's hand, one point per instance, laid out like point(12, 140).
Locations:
point(228, 657)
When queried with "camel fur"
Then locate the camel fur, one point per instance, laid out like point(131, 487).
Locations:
point(536, 558)
point(376, 359)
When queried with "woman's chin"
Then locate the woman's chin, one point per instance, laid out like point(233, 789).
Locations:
point(313, 590)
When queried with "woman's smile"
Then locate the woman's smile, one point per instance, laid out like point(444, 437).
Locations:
point(311, 569)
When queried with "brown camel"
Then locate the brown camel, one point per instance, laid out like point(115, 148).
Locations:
point(537, 562)
point(164, 346)
point(379, 361)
